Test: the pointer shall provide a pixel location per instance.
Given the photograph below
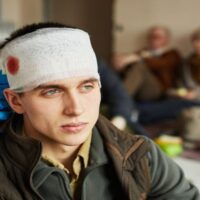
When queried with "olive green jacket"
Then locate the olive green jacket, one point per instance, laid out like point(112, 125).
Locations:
point(142, 170)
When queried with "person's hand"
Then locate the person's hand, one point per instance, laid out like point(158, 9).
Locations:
point(120, 61)
point(119, 122)
point(145, 54)
point(132, 58)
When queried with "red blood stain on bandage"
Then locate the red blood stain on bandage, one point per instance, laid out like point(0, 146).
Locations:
point(13, 65)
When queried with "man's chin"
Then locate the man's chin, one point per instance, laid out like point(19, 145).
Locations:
point(76, 139)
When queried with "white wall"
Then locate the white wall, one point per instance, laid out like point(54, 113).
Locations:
point(136, 16)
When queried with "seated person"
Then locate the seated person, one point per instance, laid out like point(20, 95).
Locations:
point(191, 68)
point(155, 68)
point(56, 146)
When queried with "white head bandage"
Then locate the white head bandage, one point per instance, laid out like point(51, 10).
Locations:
point(48, 54)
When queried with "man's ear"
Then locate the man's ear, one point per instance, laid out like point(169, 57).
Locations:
point(14, 100)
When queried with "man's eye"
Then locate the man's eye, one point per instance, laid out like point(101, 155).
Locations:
point(87, 88)
point(51, 92)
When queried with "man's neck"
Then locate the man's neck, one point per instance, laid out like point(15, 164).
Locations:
point(58, 152)
point(61, 153)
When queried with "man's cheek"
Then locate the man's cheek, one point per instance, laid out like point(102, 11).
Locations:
point(95, 99)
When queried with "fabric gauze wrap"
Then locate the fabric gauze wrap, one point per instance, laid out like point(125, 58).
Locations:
point(46, 55)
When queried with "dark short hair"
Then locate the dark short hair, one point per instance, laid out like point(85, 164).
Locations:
point(31, 28)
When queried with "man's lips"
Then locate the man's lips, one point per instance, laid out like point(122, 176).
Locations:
point(74, 127)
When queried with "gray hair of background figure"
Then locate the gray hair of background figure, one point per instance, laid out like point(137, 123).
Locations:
point(153, 28)
point(195, 35)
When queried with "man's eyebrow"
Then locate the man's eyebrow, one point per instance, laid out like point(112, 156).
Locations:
point(49, 86)
point(90, 80)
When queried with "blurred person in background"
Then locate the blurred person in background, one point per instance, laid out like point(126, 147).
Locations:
point(191, 68)
point(151, 72)
point(153, 75)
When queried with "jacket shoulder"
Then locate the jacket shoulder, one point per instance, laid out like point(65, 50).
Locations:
point(8, 191)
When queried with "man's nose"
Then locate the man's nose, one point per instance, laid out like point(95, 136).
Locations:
point(72, 104)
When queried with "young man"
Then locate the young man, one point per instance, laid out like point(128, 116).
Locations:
point(56, 146)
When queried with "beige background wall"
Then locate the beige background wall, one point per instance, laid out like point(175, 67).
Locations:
point(133, 17)
point(21, 12)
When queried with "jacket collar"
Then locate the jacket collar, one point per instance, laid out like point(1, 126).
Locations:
point(121, 145)
point(98, 155)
